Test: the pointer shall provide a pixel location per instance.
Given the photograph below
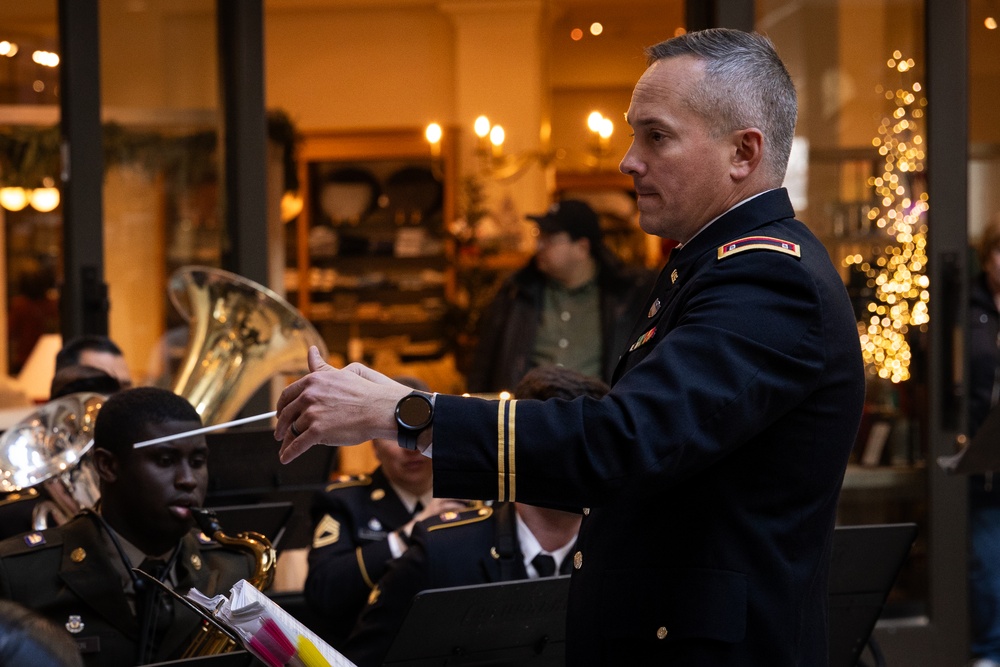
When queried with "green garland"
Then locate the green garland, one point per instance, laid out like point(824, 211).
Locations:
point(29, 154)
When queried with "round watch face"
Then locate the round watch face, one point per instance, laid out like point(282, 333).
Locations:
point(414, 412)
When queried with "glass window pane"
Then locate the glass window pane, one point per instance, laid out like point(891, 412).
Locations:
point(159, 89)
point(857, 180)
point(31, 237)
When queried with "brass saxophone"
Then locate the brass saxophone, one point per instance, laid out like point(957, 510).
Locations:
point(209, 640)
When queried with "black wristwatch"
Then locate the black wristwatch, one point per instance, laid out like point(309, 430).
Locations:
point(414, 413)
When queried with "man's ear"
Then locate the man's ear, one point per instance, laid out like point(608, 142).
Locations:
point(107, 465)
point(748, 151)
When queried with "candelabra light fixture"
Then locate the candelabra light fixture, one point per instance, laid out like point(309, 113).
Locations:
point(42, 199)
point(601, 129)
point(496, 163)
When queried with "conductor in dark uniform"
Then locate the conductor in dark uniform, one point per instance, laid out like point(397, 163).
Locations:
point(362, 522)
point(79, 575)
point(713, 466)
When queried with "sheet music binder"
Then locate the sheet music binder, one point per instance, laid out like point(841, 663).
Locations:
point(500, 624)
point(982, 454)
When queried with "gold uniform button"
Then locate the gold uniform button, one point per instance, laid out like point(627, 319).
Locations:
point(196, 561)
point(78, 555)
point(661, 633)
point(586, 511)
point(378, 494)
point(577, 560)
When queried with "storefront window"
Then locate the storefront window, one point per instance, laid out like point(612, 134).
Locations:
point(30, 211)
point(858, 182)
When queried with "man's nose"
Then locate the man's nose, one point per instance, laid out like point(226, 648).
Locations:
point(629, 165)
point(185, 477)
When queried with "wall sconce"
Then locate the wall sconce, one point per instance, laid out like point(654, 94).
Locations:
point(493, 161)
point(13, 199)
point(43, 199)
point(601, 129)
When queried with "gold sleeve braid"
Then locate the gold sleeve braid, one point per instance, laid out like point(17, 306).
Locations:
point(506, 466)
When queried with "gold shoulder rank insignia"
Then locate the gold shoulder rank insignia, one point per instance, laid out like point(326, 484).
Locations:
point(452, 519)
point(345, 481)
point(327, 532)
point(759, 243)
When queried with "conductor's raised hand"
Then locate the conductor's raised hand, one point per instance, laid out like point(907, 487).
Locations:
point(332, 406)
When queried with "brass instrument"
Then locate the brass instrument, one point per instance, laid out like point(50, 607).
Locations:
point(209, 640)
point(50, 450)
point(240, 335)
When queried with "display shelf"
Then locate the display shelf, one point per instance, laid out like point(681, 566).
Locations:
point(373, 262)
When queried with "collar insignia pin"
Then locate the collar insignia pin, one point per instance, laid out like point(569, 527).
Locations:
point(673, 276)
point(75, 624)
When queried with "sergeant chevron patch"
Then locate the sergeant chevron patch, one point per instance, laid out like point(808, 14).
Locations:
point(759, 243)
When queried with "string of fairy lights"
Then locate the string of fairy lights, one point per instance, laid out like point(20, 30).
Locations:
point(897, 272)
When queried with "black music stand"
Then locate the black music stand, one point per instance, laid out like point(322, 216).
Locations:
point(243, 469)
point(864, 566)
point(502, 624)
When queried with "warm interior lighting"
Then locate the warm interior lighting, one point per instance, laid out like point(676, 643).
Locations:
point(13, 199)
point(596, 28)
point(45, 58)
point(576, 34)
point(990, 23)
point(8, 49)
point(481, 127)
point(594, 121)
point(497, 136)
point(433, 133)
point(606, 128)
point(44, 199)
point(291, 206)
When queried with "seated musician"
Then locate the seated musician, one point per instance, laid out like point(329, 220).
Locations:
point(361, 523)
point(506, 542)
point(79, 574)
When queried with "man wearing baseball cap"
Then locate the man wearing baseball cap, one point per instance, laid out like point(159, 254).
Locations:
point(572, 305)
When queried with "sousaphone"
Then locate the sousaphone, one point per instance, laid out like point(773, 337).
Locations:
point(240, 335)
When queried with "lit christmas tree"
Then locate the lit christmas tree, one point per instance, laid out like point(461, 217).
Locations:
point(897, 274)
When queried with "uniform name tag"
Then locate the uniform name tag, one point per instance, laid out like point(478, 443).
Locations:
point(88, 644)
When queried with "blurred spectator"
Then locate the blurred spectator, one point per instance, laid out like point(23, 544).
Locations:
point(572, 305)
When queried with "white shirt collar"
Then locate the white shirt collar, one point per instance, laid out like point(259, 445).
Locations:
point(531, 548)
point(409, 500)
point(737, 205)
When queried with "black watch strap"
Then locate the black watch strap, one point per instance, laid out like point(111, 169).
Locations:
point(414, 414)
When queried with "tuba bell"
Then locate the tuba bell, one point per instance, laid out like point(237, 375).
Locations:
point(240, 334)
point(50, 449)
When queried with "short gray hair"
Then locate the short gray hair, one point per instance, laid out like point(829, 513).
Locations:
point(746, 85)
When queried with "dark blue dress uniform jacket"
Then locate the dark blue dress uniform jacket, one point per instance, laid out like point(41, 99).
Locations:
point(352, 520)
point(713, 466)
